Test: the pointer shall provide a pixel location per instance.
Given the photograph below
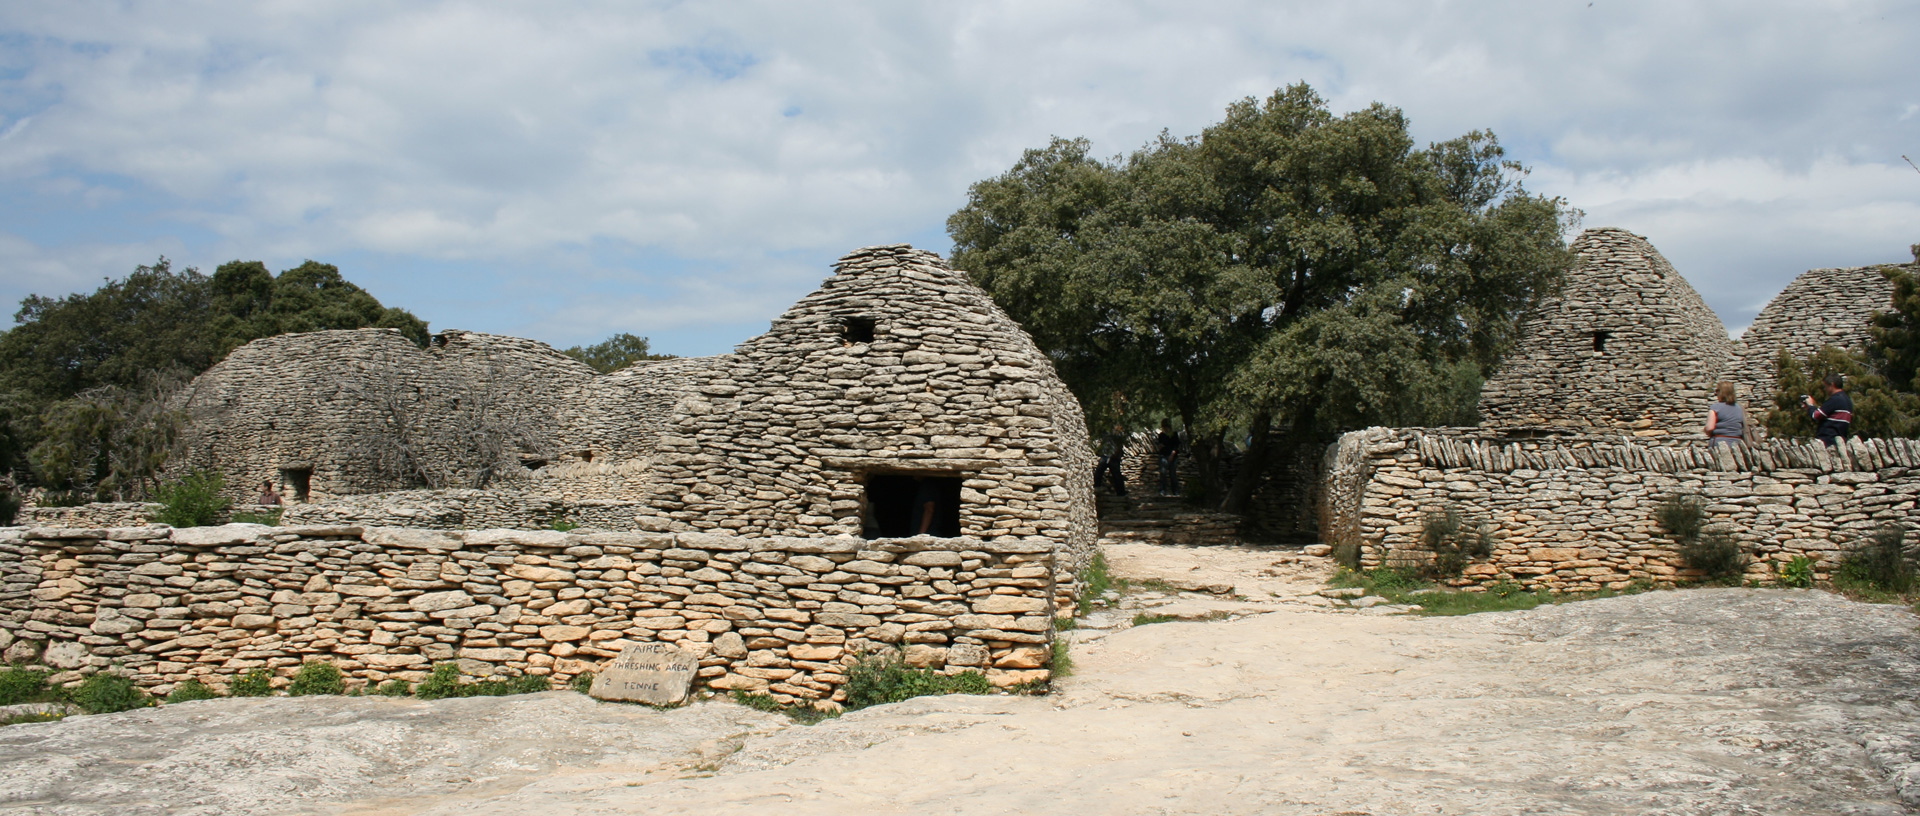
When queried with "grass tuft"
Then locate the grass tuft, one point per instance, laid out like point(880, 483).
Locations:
point(883, 677)
point(191, 689)
point(255, 683)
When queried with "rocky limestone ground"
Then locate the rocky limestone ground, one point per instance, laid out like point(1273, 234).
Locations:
point(1706, 701)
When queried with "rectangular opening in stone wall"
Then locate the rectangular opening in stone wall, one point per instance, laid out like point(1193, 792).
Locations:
point(1600, 339)
point(898, 505)
point(300, 480)
point(857, 329)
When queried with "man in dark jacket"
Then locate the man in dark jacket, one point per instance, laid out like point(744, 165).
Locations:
point(1832, 419)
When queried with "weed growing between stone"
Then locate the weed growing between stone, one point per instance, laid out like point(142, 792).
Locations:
point(393, 688)
point(191, 689)
point(1797, 573)
point(20, 684)
point(445, 682)
point(255, 683)
point(582, 682)
point(271, 518)
point(317, 677)
point(1880, 564)
point(1095, 581)
point(1144, 618)
point(106, 693)
point(22, 719)
point(800, 713)
point(1452, 539)
point(1062, 663)
point(883, 677)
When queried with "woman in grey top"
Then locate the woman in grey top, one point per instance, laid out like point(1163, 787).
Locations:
point(1725, 421)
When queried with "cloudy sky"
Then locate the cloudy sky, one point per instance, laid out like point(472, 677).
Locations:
point(684, 171)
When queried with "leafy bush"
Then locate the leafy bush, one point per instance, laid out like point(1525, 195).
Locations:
point(1797, 573)
point(1681, 517)
point(394, 688)
point(445, 682)
point(194, 501)
point(1453, 539)
point(562, 524)
point(255, 683)
point(1882, 561)
point(883, 677)
point(1715, 553)
point(19, 684)
point(317, 677)
point(189, 690)
point(271, 518)
point(105, 693)
point(64, 498)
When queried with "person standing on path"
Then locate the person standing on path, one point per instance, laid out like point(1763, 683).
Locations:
point(1168, 446)
point(1726, 423)
point(1833, 419)
point(1113, 448)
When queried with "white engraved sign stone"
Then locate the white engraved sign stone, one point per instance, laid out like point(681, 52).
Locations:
point(651, 673)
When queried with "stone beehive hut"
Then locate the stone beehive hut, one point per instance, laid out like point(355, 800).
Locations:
point(897, 385)
point(1824, 307)
point(334, 413)
point(1628, 345)
point(898, 376)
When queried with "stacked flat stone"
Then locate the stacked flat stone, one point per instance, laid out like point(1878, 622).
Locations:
point(1576, 512)
point(1824, 307)
point(779, 440)
point(776, 439)
point(1627, 345)
point(780, 615)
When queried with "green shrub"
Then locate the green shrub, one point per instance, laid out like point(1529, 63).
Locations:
point(1682, 517)
point(1347, 554)
point(582, 682)
point(1882, 561)
point(1453, 539)
point(394, 688)
point(105, 693)
point(189, 690)
point(562, 524)
point(883, 677)
point(9, 508)
point(1715, 553)
point(255, 683)
point(19, 684)
point(1797, 573)
point(317, 677)
point(194, 500)
point(64, 498)
point(444, 682)
point(271, 518)
point(1062, 663)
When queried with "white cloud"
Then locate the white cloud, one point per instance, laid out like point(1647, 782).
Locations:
point(735, 137)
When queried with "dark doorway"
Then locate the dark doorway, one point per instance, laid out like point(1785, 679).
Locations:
point(1600, 339)
point(896, 504)
point(300, 479)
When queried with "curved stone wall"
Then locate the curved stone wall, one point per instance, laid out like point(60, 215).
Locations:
point(1824, 307)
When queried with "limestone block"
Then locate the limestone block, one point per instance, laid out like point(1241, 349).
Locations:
point(441, 601)
point(65, 655)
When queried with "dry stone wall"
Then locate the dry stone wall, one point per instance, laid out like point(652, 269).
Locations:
point(1628, 345)
point(1576, 512)
point(780, 615)
point(116, 514)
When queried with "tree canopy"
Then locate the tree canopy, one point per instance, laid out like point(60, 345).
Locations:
point(1287, 270)
point(615, 353)
point(80, 376)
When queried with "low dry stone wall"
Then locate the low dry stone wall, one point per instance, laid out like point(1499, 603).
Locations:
point(780, 615)
point(1576, 512)
point(114, 514)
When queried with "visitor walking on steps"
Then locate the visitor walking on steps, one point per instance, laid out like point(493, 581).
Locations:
point(1113, 448)
point(1168, 447)
point(1832, 419)
point(1726, 423)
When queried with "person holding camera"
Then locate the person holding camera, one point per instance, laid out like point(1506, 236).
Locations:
point(1832, 419)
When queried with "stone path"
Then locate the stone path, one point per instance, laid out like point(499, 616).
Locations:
point(1693, 702)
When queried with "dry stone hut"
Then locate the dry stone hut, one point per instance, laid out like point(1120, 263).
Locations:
point(897, 381)
point(1627, 346)
point(1824, 307)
